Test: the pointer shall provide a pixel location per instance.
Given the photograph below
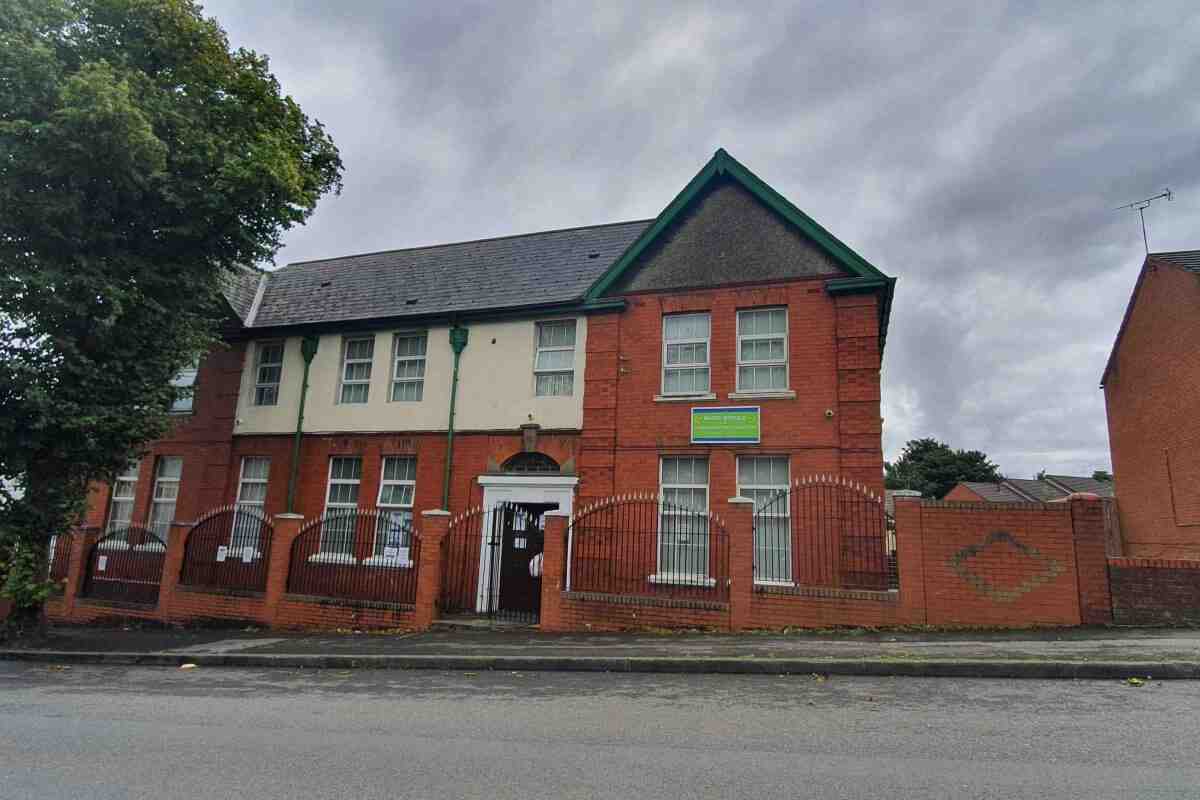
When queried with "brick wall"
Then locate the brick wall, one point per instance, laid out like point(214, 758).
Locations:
point(1153, 427)
point(1152, 591)
point(833, 366)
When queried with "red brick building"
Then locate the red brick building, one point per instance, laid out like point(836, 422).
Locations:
point(546, 369)
point(1152, 391)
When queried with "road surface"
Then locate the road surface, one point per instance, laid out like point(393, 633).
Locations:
point(124, 732)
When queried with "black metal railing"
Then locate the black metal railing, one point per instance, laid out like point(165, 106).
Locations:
point(462, 553)
point(636, 545)
point(58, 560)
point(824, 532)
point(125, 566)
point(491, 563)
point(357, 554)
point(228, 548)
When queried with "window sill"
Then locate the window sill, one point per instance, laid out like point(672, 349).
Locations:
point(332, 558)
point(236, 554)
point(113, 545)
point(150, 548)
point(677, 579)
point(782, 394)
point(381, 561)
point(780, 584)
point(683, 398)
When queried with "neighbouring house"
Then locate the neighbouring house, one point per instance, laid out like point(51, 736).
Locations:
point(1152, 391)
point(1048, 489)
point(727, 347)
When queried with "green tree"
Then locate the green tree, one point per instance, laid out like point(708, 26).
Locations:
point(141, 159)
point(933, 468)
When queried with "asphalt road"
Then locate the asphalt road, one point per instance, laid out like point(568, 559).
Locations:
point(117, 732)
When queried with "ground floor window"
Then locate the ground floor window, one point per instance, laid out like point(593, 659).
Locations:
point(341, 505)
point(166, 491)
point(397, 487)
point(251, 500)
point(764, 479)
point(120, 509)
point(683, 546)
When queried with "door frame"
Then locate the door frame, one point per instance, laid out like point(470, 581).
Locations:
point(515, 488)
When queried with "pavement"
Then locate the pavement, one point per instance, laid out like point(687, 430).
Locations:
point(108, 732)
point(1044, 653)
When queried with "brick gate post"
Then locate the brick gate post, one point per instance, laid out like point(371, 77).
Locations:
point(554, 570)
point(1091, 559)
point(286, 529)
point(177, 536)
point(434, 525)
point(82, 541)
point(740, 530)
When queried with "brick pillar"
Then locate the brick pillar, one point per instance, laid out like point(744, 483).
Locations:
point(287, 528)
point(739, 526)
point(910, 559)
point(177, 536)
point(434, 525)
point(1091, 559)
point(82, 541)
point(554, 570)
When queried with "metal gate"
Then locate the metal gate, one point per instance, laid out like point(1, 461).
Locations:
point(491, 563)
point(126, 567)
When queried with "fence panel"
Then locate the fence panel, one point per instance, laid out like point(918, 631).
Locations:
point(229, 548)
point(824, 532)
point(126, 566)
point(357, 554)
point(462, 547)
point(635, 545)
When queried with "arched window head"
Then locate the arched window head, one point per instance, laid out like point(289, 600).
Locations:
point(530, 462)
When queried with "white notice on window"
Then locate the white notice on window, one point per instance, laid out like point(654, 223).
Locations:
point(101, 563)
point(222, 552)
point(247, 554)
point(391, 553)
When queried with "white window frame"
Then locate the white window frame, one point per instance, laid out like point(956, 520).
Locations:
point(387, 512)
point(538, 349)
point(235, 537)
point(261, 386)
point(129, 479)
point(775, 489)
point(397, 359)
point(691, 365)
point(756, 337)
point(343, 383)
point(186, 378)
point(156, 502)
point(323, 556)
point(680, 578)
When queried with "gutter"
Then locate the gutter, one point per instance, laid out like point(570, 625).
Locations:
point(458, 343)
point(308, 349)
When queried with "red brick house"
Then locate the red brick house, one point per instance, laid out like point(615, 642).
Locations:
point(1152, 392)
point(547, 369)
point(1049, 489)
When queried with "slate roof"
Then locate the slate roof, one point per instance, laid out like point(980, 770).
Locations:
point(994, 492)
point(1077, 483)
point(1025, 490)
point(1185, 259)
point(508, 272)
point(240, 287)
point(1039, 491)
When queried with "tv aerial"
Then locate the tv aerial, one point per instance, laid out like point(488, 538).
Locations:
point(1141, 206)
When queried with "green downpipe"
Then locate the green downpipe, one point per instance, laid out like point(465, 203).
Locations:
point(458, 343)
point(308, 349)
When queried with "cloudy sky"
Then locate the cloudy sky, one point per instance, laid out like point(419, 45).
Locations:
point(977, 154)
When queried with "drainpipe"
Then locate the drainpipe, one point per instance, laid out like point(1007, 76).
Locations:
point(308, 349)
point(458, 343)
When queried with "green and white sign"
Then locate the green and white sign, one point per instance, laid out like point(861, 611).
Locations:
point(726, 425)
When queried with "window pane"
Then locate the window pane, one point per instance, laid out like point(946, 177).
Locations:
point(410, 346)
point(358, 371)
point(396, 494)
point(555, 359)
point(559, 384)
point(253, 492)
point(413, 368)
point(255, 467)
point(686, 326)
point(408, 391)
point(354, 393)
point(360, 348)
point(170, 467)
point(556, 334)
point(399, 469)
point(346, 468)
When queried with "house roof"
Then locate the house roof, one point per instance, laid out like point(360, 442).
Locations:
point(1188, 260)
point(1048, 490)
point(1078, 483)
point(994, 492)
point(240, 287)
point(507, 272)
point(545, 270)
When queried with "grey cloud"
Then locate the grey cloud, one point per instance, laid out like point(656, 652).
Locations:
point(975, 152)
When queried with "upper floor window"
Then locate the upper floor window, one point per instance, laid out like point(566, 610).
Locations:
point(120, 510)
point(554, 365)
point(166, 490)
point(357, 355)
point(685, 353)
point(762, 356)
point(408, 374)
point(185, 381)
point(268, 369)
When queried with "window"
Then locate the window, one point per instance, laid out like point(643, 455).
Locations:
point(554, 365)
point(341, 503)
point(166, 490)
point(393, 536)
point(120, 510)
point(186, 382)
point(251, 500)
point(267, 372)
point(356, 369)
point(763, 479)
point(762, 350)
point(530, 462)
point(683, 522)
point(685, 354)
point(408, 375)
